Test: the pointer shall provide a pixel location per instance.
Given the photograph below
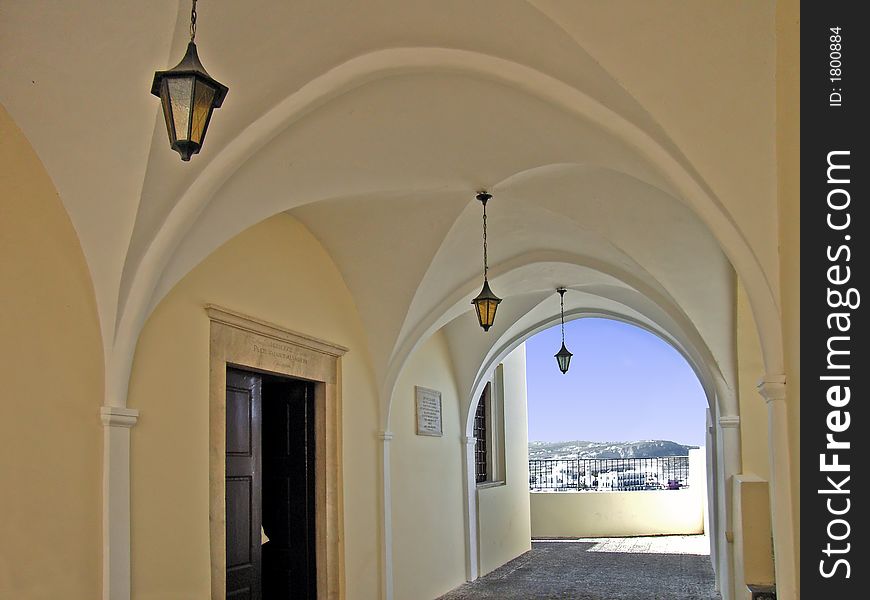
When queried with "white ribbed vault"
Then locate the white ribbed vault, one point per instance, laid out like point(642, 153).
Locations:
point(635, 170)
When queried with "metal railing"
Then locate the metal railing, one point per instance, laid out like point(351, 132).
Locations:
point(609, 474)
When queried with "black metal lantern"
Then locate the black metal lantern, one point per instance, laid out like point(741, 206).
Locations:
point(486, 302)
point(563, 357)
point(189, 95)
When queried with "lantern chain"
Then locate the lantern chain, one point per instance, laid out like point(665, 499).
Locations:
point(562, 312)
point(485, 265)
point(193, 21)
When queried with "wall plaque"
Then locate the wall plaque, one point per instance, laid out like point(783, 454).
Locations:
point(428, 411)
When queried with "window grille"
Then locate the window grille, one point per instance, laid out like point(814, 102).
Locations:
point(480, 458)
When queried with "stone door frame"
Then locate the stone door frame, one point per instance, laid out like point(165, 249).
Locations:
point(250, 343)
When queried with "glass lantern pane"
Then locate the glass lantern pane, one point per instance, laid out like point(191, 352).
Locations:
point(201, 111)
point(167, 112)
point(481, 313)
point(491, 305)
point(486, 312)
point(180, 92)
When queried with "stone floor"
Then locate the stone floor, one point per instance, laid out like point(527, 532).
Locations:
point(641, 568)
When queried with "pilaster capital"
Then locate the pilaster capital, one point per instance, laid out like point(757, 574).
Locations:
point(772, 387)
point(385, 436)
point(118, 416)
point(729, 421)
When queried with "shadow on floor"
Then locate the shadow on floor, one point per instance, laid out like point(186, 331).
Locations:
point(578, 571)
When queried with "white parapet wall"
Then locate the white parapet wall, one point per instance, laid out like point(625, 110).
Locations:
point(605, 514)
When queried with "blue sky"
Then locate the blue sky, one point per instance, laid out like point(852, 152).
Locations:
point(624, 384)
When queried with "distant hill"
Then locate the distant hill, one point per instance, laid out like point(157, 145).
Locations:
point(583, 449)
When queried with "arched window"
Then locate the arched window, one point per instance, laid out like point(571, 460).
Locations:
point(480, 430)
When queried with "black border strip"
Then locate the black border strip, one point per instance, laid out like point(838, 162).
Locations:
point(834, 227)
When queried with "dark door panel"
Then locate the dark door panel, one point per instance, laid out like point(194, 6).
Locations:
point(270, 483)
point(243, 488)
point(288, 489)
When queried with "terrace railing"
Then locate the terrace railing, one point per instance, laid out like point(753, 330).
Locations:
point(609, 474)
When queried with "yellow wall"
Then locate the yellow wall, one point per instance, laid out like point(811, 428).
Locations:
point(504, 526)
point(428, 525)
point(51, 366)
point(602, 514)
point(753, 410)
point(753, 550)
point(427, 491)
point(274, 271)
point(788, 175)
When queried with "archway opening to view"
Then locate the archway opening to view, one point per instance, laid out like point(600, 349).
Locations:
point(620, 458)
point(617, 444)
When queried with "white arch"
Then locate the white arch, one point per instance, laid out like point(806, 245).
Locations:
point(455, 302)
point(702, 371)
point(143, 274)
point(710, 382)
point(134, 305)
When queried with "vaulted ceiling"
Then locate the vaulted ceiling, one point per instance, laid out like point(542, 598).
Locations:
point(629, 147)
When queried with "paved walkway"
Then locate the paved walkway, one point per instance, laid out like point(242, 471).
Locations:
point(642, 568)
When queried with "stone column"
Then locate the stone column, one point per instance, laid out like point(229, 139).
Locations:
point(729, 465)
point(387, 505)
point(471, 567)
point(772, 389)
point(117, 422)
point(711, 516)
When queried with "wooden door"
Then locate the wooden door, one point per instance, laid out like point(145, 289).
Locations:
point(243, 485)
point(289, 569)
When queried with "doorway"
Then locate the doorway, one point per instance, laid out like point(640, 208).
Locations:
point(270, 486)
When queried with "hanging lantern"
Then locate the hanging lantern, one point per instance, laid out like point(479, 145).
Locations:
point(188, 95)
point(563, 357)
point(486, 302)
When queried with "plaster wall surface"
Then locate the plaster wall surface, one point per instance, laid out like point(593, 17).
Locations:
point(753, 558)
point(788, 179)
point(275, 271)
point(52, 372)
point(737, 44)
point(504, 522)
point(753, 412)
point(614, 514)
point(428, 526)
